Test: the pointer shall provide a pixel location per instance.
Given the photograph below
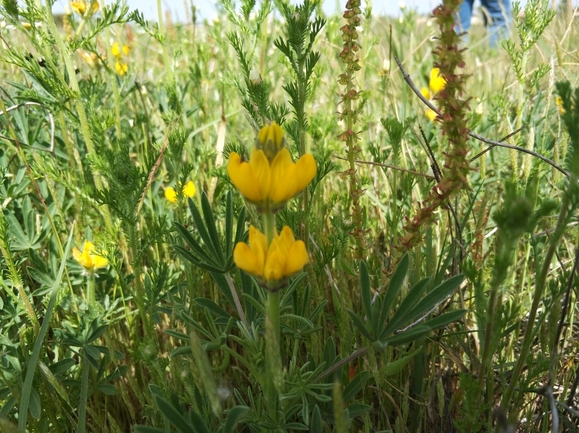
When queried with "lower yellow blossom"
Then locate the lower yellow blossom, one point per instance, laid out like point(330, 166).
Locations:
point(121, 68)
point(89, 261)
point(272, 264)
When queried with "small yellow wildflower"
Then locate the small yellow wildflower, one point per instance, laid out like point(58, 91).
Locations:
point(274, 264)
point(119, 51)
point(430, 113)
point(189, 190)
point(270, 178)
point(89, 261)
point(437, 81)
point(559, 104)
point(80, 7)
point(121, 68)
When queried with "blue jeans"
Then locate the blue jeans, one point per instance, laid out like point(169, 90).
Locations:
point(497, 17)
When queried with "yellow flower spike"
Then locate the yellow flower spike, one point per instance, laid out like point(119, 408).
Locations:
point(437, 81)
point(171, 195)
point(89, 261)
point(80, 7)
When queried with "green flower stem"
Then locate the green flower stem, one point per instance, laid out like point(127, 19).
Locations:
point(140, 290)
point(273, 365)
point(83, 394)
point(236, 299)
point(537, 296)
point(90, 291)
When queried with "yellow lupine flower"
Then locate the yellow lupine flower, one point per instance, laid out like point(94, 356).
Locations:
point(437, 82)
point(89, 261)
point(189, 190)
point(80, 7)
point(271, 265)
point(270, 178)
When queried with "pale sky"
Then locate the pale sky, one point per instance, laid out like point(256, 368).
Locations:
point(208, 11)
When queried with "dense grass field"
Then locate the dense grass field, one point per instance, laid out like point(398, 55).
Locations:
point(255, 224)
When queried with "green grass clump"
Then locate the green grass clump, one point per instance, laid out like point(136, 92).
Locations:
point(440, 293)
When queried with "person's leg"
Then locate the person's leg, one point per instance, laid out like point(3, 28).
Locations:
point(497, 15)
point(464, 16)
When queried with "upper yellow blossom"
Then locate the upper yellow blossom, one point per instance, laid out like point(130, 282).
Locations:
point(270, 178)
point(80, 7)
point(437, 82)
point(272, 265)
point(430, 113)
point(90, 262)
point(188, 191)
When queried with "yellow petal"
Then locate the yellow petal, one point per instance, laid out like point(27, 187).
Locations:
point(121, 68)
point(425, 92)
point(305, 171)
point(297, 258)
point(258, 245)
point(245, 259)
point(116, 50)
point(76, 254)
point(99, 262)
point(171, 195)
point(189, 189)
point(241, 175)
point(431, 114)
point(126, 50)
point(270, 140)
point(261, 171)
point(283, 177)
point(275, 263)
point(437, 82)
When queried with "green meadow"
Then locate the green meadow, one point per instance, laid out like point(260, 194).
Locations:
point(282, 221)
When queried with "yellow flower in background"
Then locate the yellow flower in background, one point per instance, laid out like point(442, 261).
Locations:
point(430, 113)
point(89, 261)
point(189, 190)
point(121, 68)
point(437, 82)
point(559, 104)
point(119, 51)
point(80, 7)
point(270, 178)
point(271, 265)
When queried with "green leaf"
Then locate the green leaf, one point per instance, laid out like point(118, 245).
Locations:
point(392, 291)
point(360, 325)
point(233, 417)
point(210, 224)
point(357, 409)
point(213, 307)
point(438, 294)
point(365, 292)
point(228, 225)
point(35, 407)
point(444, 319)
point(316, 423)
point(396, 367)
point(356, 385)
point(145, 429)
point(407, 336)
point(200, 226)
point(172, 415)
point(401, 314)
